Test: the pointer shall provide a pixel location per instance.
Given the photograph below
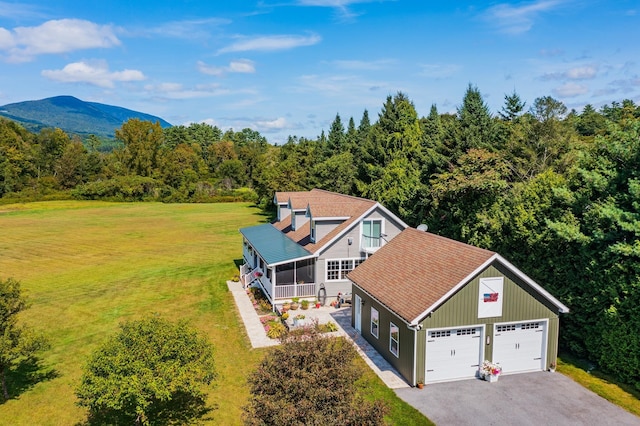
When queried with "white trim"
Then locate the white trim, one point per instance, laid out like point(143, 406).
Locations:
point(339, 270)
point(377, 335)
point(481, 345)
point(562, 308)
point(545, 339)
point(391, 326)
point(327, 218)
point(357, 223)
point(284, 262)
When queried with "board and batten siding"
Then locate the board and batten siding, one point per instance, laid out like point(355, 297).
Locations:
point(520, 304)
point(404, 362)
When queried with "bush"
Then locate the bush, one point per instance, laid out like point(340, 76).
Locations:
point(310, 379)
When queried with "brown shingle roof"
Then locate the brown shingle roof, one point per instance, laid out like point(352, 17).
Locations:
point(321, 204)
point(415, 270)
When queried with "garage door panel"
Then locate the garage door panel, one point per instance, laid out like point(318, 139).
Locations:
point(519, 347)
point(452, 354)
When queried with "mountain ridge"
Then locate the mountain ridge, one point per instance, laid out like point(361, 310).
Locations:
point(73, 115)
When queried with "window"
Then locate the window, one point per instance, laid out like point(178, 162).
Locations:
point(394, 339)
point(293, 220)
point(371, 233)
point(375, 322)
point(313, 231)
point(337, 269)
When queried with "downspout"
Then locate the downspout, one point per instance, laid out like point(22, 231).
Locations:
point(415, 329)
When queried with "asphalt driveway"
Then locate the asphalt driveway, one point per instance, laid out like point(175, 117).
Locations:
point(535, 399)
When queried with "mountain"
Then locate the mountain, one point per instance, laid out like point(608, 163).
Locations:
point(73, 115)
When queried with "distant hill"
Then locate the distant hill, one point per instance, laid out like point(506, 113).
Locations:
point(73, 115)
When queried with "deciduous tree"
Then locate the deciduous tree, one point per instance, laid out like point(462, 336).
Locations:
point(18, 344)
point(152, 372)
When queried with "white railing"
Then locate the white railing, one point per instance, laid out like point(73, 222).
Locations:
point(295, 290)
point(371, 244)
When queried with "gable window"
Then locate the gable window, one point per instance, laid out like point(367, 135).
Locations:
point(394, 339)
point(337, 269)
point(375, 322)
point(371, 233)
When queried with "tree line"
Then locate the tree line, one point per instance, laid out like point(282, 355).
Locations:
point(556, 192)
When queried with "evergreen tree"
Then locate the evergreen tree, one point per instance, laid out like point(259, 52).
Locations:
point(476, 126)
point(512, 108)
point(336, 140)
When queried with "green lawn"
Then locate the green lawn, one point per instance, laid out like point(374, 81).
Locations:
point(87, 266)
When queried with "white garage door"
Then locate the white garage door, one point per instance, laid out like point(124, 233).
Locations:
point(519, 347)
point(453, 354)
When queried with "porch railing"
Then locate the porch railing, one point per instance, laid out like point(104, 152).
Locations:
point(295, 290)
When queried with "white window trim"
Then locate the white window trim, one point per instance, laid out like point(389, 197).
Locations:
point(391, 340)
point(369, 219)
point(312, 233)
point(339, 260)
point(377, 322)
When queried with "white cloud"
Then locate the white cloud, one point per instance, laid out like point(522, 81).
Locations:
point(439, 70)
point(570, 90)
point(56, 36)
point(271, 43)
point(179, 91)
point(277, 124)
point(518, 19)
point(186, 29)
point(93, 72)
point(244, 66)
point(581, 73)
point(341, 6)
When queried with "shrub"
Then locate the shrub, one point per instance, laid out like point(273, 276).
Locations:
point(319, 387)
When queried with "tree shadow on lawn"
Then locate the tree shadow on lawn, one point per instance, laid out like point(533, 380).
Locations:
point(28, 374)
point(182, 409)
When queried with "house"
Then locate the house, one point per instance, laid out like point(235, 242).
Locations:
point(435, 308)
point(317, 238)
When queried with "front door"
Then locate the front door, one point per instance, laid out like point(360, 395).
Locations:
point(358, 313)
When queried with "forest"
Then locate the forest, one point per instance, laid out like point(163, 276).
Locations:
point(556, 192)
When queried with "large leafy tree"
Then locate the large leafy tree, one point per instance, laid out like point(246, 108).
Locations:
point(310, 380)
point(142, 141)
point(152, 372)
point(18, 344)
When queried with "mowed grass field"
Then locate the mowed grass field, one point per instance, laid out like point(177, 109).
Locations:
point(88, 266)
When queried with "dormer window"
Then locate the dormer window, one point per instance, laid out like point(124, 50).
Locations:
point(293, 221)
point(313, 231)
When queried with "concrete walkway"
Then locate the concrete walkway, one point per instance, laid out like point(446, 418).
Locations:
point(342, 318)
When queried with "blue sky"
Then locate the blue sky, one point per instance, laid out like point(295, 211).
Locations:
point(287, 67)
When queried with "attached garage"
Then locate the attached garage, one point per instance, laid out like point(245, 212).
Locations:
point(436, 308)
point(520, 347)
point(453, 353)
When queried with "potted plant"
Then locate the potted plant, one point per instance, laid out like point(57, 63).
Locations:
point(286, 306)
point(294, 303)
point(490, 371)
point(299, 320)
point(317, 303)
point(420, 385)
point(552, 367)
point(304, 304)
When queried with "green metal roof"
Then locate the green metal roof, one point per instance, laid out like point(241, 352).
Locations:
point(272, 245)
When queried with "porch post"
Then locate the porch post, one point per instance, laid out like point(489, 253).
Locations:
point(295, 279)
point(273, 284)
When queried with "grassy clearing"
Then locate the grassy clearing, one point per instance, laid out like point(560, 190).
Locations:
point(87, 266)
point(623, 396)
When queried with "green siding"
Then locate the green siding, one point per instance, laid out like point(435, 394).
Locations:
point(404, 362)
point(520, 303)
